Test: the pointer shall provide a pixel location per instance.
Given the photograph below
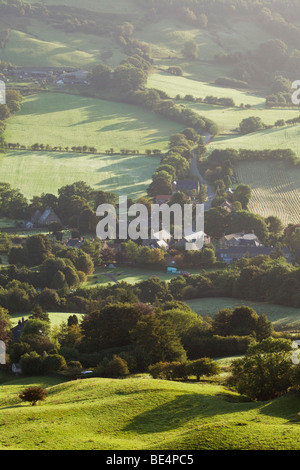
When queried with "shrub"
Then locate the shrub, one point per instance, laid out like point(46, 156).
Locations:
point(203, 366)
point(31, 364)
point(54, 363)
point(33, 395)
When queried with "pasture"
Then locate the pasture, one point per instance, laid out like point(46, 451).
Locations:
point(60, 119)
point(131, 275)
point(166, 37)
point(25, 49)
point(279, 315)
point(56, 318)
point(278, 138)
point(229, 119)
point(275, 189)
point(34, 173)
point(105, 6)
point(185, 86)
point(140, 413)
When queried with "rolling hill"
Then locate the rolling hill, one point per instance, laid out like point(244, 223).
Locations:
point(140, 413)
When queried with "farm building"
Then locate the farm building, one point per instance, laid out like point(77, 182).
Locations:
point(236, 239)
point(187, 186)
point(192, 238)
point(234, 253)
point(227, 206)
point(74, 243)
point(46, 218)
point(163, 199)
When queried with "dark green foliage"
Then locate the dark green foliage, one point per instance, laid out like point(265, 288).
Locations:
point(266, 371)
point(33, 395)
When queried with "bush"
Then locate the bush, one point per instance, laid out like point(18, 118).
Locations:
point(54, 363)
point(33, 395)
point(203, 366)
point(182, 370)
point(218, 346)
point(266, 371)
point(116, 367)
point(31, 364)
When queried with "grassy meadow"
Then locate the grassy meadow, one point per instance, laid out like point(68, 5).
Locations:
point(140, 413)
point(279, 315)
point(105, 6)
point(60, 119)
point(56, 318)
point(278, 138)
point(182, 86)
point(36, 172)
point(229, 119)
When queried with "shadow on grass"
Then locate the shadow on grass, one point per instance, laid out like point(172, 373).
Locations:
point(286, 407)
point(185, 408)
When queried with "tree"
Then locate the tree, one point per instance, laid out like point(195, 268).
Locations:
point(160, 186)
point(129, 78)
point(33, 395)
point(117, 367)
point(190, 50)
point(5, 325)
point(295, 244)
point(84, 263)
point(157, 340)
point(54, 363)
point(242, 194)
point(38, 248)
point(110, 326)
point(275, 225)
point(242, 321)
point(203, 367)
point(35, 327)
point(31, 364)
point(266, 371)
point(100, 76)
point(251, 124)
point(153, 289)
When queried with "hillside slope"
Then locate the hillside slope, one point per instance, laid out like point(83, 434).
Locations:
point(142, 413)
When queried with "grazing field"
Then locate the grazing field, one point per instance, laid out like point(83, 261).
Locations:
point(24, 49)
point(184, 86)
point(167, 36)
point(34, 173)
point(278, 138)
point(60, 119)
point(56, 318)
point(229, 119)
point(140, 413)
point(103, 6)
point(275, 189)
point(131, 275)
point(277, 314)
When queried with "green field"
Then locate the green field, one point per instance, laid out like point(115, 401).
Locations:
point(34, 173)
point(279, 315)
point(167, 36)
point(60, 119)
point(56, 318)
point(229, 119)
point(103, 6)
point(275, 189)
point(142, 413)
point(131, 275)
point(184, 86)
point(277, 138)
